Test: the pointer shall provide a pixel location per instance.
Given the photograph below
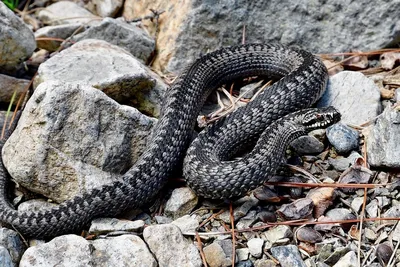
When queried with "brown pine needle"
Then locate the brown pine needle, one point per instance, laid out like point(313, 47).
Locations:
point(200, 247)
point(337, 185)
point(232, 218)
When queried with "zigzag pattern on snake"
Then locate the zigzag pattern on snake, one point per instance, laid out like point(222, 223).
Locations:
point(302, 80)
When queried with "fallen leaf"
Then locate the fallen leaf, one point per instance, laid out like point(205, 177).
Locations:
point(332, 66)
point(322, 198)
point(356, 63)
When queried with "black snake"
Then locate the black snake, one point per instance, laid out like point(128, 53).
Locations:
point(302, 80)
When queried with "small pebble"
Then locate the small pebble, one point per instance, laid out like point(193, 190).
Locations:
point(255, 246)
point(342, 137)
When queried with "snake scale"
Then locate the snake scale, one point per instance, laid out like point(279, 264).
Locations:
point(301, 80)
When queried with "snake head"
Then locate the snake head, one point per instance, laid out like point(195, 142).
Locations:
point(317, 118)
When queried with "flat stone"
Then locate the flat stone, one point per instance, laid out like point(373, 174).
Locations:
point(17, 41)
point(187, 224)
point(66, 250)
point(76, 135)
point(128, 36)
point(357, 203)
point(182, 202)
point(348, 260)
point(125, 250)
point(106, 225)
point(63, 31)
point(356, 97)
point(255, 246)
point(242, 254)
point(108, 68)
point(66, 12)
point(288, 256)
point(215, 256)
point(273, 235)
point(305, 145)
point(383, 142)
point(165, 241)
point(342, 137)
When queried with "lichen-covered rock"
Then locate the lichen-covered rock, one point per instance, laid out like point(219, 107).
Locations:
point(12, 242)
point(17, 41)
point(71, 138)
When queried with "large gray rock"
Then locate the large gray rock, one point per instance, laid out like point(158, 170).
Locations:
point(66, 250)
point(125, 250)
point(108, 68)
point(169, 246)
point(355, 96)
point(196, 26)
point(128, 36)
point(383, 141)
point(72, 138)
point(17, 41)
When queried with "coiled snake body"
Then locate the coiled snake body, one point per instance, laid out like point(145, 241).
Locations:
point(304, 80)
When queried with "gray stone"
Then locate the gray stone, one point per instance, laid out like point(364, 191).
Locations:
point(125, 250)
point(247, 202)
point(371, 235)
point(247, 263)
point(273, 235)
point(63, 31)
point(397, 95)
point(17, 41)
point(5, 258)
point(341, 163)
point(182, 202)
point(66, 250)
point(305, 145)
point(35, 205)
point(372, 208)
point(161, 238)
point(10, 85)
point(342, 137)
point(242, 254)
point(187, 224)
point(355, 96)
point(127, 36)
point(77, 136)
point(215, 256)
point(66, 12)
point(108, 68)
point(357, 203)
point(288, 256)
point(162, 219)
point(264, 263)
point(348, 260)
point(396, 233)
point(339, 214)
point(13, 244)
point(255, 246)
point(320, 26)
point(106, 225)
point(383, 141)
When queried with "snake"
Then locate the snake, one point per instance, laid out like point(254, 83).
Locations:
point(277, 116)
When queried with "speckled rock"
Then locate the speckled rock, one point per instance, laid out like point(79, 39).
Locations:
point(288, 256)
point(355, 96)
point(75, 135)
point(161, 238)
point(342, 137)
point(106, 225)
point(128, 36)
point(12, 242)
point(383, 141)
point(181, 202)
